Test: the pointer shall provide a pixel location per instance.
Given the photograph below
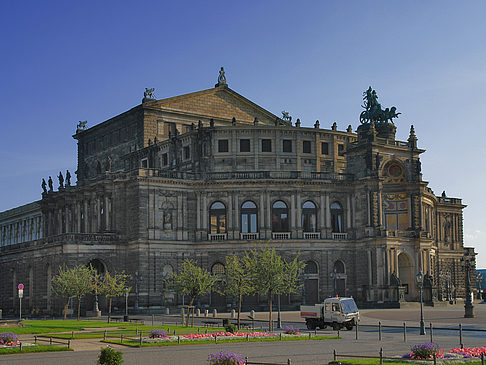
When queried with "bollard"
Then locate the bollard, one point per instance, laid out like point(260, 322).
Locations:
point(404, 332)
point(174, 332)
point(198, 312)
point(247, 338)
point(167, 311)
point(460, 336)
point(233, 313)
point(310, 334)
point(334, 354)
point(153, 317)
point(21, 346)
point(431, 334)
point(206, 313)
point(104, 335)
point(50, 340)
point(280, 336)
point(215, 313)
point(379, 331)
point(72, 334)
point(121, 338)
point(168, 329)
point(356, 330)
point(315, 332)
point(435, 358)
point(215, 338)
point(338, 332)
point(136, 330)
point(289, 362)
point(381, 355)
point(178, 339)
point(69, 344)
point(140, 341)
point(482, 359)
point(141, 332)
point(35, 339)
point(206, 330)
point(198, 330)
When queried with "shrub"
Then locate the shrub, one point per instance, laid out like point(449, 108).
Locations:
point(225, 358)
point(155, 333)
point(291, 330)
point(108, 356)
point(230, 327)
point(8, 338)
point(425, 350)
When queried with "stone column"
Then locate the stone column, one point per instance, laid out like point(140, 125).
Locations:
point(198, 211)
point(368, 208)
point(298, 217)
point(370, 269)
point(86, 218)
point(78, 217)
point(67, 221)
point(268, 224)
point(236, 217)
point(292, 212)
point(185, 231)
point(328, 212)
point(428, 261)
point(229, 215)
point(322, 217)
point(107, 213)
point(179, 216)
point(348, 213)
point(205, 214)
point(262, 227)
point(396, 262)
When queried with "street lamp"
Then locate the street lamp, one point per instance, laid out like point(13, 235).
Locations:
point(420, 281)
point(467, 263)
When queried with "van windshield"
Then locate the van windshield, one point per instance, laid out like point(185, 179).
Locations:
point(349, 306)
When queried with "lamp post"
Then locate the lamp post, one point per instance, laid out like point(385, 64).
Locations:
point(468, 261)
point(420, 281)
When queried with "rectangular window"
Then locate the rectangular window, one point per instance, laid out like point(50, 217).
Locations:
point(266, 145)
point(244, 145)
point(223, 145)
point(165, 160)
point(324, 148)
point(287, 145)
point(340, 149)
point(187, 152)
point(306, 146)
point(144, 163)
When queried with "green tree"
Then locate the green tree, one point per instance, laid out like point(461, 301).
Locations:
point(72, 282)
point(193, 281)
point(237, 281)
point(271, 274)
point(113, 286)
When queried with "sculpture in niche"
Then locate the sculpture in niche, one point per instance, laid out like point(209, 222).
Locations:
point(395, 280)
point(167, 214)
point(68, 178)
point(108, 163)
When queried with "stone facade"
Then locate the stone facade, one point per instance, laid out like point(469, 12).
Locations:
point(209, 174)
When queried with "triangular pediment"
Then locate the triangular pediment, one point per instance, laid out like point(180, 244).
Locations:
point(220, 103)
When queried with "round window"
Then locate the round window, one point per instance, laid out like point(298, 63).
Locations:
point(395, 170)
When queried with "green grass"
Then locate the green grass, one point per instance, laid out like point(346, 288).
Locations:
point(387, 362)
point(16, 350)
point(53, 326)
point(136, 343)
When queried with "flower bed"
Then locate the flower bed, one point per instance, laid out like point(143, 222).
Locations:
point(426, 351)
point(8, 339)
point(225, 358)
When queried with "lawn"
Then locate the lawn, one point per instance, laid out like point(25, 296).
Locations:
point(16, 350)
point(53, 326)
point(136, 343)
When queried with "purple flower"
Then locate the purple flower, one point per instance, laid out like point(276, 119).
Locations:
point(225, 358)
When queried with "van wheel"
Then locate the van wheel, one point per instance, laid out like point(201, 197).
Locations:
point(322, 327)
point(349, 326)
point(311, 325)
point(336, 326)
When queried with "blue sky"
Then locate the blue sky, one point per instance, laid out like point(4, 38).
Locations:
point(61, 62)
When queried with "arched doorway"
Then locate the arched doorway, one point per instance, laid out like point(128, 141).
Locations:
point(95, 302)
point(218, 301)
point(311, 283)
point(406, 274)
point(339, 276)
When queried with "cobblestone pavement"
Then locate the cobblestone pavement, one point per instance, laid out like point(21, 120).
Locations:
point(300, 352)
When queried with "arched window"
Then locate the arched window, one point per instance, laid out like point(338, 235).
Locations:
point(337, 218)
point(167, 271)
point(309, 217)
point(280, 217)
point(217, 269)
point(217, 218)
point(249, 217)
point(310, 267)
point(339, 267)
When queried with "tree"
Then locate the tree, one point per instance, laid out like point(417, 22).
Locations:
point(271, 274)
point(113, 286)
point(193, 281)
point(236, 281)
point(74, 282)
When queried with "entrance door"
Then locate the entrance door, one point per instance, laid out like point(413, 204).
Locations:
point(406, 274)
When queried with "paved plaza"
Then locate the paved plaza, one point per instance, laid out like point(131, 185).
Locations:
point(445, 320)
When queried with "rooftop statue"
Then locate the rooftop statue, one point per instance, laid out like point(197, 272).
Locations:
point(286, 116)
point(221, 77)
point(149, 93)
point(81, 126)
point(44, 185)
point(373, 111)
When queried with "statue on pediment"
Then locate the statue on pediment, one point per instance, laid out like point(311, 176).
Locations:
point(374, 112)
point(44, 185)
point(149, 93)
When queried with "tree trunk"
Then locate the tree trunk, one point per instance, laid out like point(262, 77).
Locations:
point(79, 306)
point(270, 323)
point(109, 310)
point(189, 311)
point(66, 308)
point(239, 310)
